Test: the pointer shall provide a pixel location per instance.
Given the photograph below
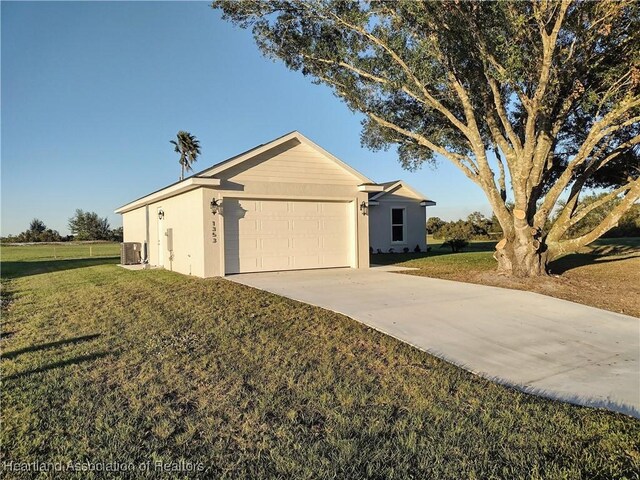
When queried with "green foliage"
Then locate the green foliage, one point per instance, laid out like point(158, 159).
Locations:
point(37, 226)
point(117, 234)
point(456, 244)
point(188, 146)
point(37, 232)
point(628, 225)
point(89, 226)
point(476, 227)
point(434, 224)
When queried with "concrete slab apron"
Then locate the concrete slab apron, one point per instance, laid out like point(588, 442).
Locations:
point(539, 344)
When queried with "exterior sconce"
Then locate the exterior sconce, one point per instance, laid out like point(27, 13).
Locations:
point(216, 206)
point(160, 214)
point(364, 208)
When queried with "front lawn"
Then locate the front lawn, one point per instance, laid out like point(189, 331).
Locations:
point(606, 274)
point(104, 364)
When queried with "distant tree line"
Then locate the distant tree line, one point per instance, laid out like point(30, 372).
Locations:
point(476, 226)
point(83, 226)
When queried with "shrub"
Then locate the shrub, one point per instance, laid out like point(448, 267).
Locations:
point(417, 249)
point(456, 244)
point(405, 249)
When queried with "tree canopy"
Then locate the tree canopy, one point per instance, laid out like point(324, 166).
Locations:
point(89, 226)
point(188, 146)
point(38, 232)
point(534, 101)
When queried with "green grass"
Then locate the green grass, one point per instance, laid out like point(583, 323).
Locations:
point(100, 363)
point(58, 251)
point(477, 255)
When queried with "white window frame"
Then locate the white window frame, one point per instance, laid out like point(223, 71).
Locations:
point(404, 225)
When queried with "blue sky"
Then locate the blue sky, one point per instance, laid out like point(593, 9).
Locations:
point(93, 92)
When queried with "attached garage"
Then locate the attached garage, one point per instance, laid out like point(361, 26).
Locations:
point(284, 205)
point(268, 235)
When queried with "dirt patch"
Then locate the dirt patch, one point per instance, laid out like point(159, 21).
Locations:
point(611, 283)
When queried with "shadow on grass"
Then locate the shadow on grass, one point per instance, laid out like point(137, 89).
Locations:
point(44, 346)
point(576, 260)
point(63, 363)
point(24, 269)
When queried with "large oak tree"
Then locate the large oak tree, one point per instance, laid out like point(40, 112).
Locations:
point(535, 102)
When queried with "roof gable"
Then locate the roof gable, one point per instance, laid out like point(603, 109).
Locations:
point(262, 153)
point(402, 190)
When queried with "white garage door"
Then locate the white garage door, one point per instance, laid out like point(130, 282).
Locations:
point(268, 235)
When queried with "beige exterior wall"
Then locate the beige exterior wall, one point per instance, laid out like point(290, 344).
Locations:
point(184, 215)
point(380, 222)
point(292, 172)
point(134, 225)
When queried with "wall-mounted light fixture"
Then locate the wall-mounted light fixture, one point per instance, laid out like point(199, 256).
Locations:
point(364, 208)
point(216, 206)
point(160, 214)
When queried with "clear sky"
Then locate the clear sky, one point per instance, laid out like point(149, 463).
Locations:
point(93, 92)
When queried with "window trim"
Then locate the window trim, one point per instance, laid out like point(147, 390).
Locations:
point(404, 225)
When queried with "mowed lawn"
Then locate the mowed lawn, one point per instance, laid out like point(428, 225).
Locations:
point(606, 274)
point(104, 364)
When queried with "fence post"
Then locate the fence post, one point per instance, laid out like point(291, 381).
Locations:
point(54, 253)
point(90, 251)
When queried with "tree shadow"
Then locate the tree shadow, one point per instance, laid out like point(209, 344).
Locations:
point(576, 260)
point(44, 346)
point(24, 269)
point(63, 363)
point(6, 335)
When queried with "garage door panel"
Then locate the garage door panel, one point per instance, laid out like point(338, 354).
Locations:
point(307, 226)
point(273, 226)
point(272, 207)
point(246, 264)
point(331, 243)
point(332, 260)
point(306, 207)
point(307, 261)
point(275, 244)
point(276, 262)
point(307, 244)
point(268, 235)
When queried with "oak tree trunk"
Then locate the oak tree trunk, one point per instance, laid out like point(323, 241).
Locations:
point(522, 253)
point(521, 260)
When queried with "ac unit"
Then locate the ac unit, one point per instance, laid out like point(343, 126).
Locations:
point(130, 253)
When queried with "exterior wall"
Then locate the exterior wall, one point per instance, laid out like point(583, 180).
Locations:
point(134, 225)
point(380, 223)
point(184, 215)
point(291, 162)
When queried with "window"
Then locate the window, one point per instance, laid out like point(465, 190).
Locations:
point(397, 225)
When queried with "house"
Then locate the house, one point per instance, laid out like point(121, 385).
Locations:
point(397, 219)
point(284, 205)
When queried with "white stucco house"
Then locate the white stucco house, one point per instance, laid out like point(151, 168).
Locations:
point(284, 205)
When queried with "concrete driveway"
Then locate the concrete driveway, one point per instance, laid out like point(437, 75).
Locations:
point(539, 344)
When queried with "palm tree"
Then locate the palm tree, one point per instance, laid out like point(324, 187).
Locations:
point(188, 147)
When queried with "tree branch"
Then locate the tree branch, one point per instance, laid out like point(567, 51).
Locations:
point(455, 158)
point(557, 249)
point(429, 99)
